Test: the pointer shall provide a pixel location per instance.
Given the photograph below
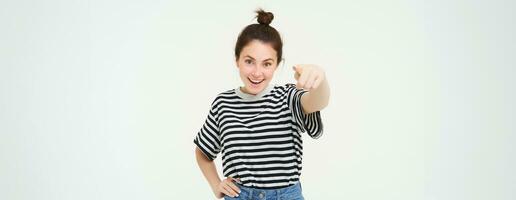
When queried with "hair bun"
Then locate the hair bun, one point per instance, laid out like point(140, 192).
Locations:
point(264, 17)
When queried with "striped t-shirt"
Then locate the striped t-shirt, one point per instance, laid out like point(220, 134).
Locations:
point(259, 135)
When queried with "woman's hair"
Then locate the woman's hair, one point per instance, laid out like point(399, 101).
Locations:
point(262, 32)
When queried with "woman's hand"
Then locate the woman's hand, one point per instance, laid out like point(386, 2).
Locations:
point(308, 77)
point(227, 187)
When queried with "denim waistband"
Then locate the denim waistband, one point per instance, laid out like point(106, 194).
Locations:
point(289, 192)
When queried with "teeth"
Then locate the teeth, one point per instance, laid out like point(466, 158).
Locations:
point(255, 82)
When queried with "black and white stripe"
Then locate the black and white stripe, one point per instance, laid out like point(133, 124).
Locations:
point(260, 139)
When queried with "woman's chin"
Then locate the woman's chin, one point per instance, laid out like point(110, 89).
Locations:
point(254, 89)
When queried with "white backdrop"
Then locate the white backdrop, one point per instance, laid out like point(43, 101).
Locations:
point(102, 99)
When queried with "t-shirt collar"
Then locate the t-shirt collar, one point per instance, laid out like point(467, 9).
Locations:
point(247, 96)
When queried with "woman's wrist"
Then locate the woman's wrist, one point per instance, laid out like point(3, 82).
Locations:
point(214, 184)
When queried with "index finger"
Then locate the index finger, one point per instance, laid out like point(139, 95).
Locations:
point(234, 187)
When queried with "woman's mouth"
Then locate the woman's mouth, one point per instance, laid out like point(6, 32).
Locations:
point(256, 82)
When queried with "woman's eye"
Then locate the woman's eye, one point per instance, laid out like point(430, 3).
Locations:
point(267, 64)
point(248, 61)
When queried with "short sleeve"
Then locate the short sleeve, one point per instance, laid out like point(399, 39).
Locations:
point(208, 137)
point(310, 123)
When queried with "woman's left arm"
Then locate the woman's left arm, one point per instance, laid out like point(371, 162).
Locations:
point(313, 79)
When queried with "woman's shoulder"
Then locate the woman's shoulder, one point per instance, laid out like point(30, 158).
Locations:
point(229, 93)
point(224, 95)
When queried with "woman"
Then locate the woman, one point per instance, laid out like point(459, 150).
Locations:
point(257, 127)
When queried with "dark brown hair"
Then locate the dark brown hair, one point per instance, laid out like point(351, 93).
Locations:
point(261, 31)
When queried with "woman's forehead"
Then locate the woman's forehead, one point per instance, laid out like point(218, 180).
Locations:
point(259, 51)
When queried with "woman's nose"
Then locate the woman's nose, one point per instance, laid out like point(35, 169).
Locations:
point(256, 71)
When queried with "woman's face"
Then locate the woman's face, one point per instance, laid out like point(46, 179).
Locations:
point(256, 63)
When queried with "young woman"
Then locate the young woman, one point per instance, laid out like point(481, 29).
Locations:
point(257, 127)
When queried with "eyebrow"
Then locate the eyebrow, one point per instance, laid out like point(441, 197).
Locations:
point(255, 59)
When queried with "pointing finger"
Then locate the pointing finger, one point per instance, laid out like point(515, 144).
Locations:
point(298, 69)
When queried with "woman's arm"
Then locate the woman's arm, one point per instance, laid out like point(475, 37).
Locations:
point(313, 79)
point(209, 171)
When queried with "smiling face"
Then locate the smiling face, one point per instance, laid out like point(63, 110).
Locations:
point(256, 63)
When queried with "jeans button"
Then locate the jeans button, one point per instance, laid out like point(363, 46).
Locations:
point(261, 195)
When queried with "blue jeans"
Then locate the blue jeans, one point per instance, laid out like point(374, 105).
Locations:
point(293, 192)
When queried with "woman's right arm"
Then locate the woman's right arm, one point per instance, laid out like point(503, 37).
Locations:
point(209, 171)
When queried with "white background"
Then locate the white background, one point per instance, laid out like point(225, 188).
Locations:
point(102, 99)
